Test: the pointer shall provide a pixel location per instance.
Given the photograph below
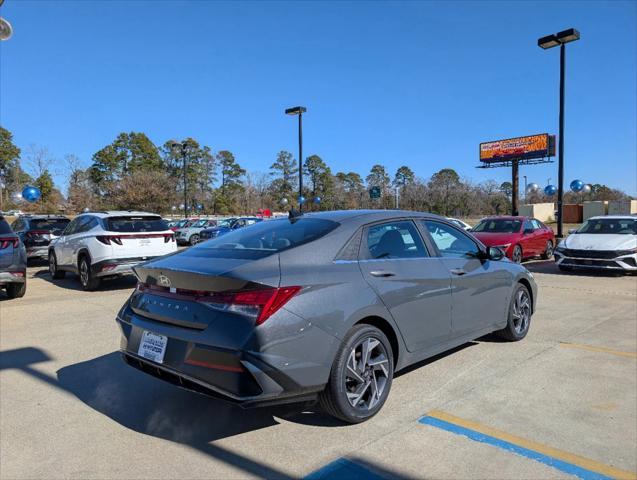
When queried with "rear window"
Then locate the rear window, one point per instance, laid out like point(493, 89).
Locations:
point(54, 225)
point(266, 238)
point(498, 225)
point(4, 226)
point(136, 224)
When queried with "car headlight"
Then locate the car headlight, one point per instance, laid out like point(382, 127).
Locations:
point(503, 247)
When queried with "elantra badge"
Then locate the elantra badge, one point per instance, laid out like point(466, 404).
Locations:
point(164, 281)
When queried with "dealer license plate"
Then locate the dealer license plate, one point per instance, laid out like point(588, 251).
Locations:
point(152, 346)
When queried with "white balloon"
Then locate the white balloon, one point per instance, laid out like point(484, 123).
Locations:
point(284, 201)
point(17, 197)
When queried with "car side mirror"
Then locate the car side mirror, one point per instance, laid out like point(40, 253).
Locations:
point(494, 253)
point(572, 230)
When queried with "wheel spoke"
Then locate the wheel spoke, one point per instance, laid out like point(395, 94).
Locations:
point(352, 367)
point(380, 363)
point(375, 396)
point(356, 396)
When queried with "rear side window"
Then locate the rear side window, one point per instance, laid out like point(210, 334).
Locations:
point(136, 224)
point(53, 225)
point(4, 226)
point(266, 238)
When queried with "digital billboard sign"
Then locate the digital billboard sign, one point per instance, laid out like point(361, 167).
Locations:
point(519, 148)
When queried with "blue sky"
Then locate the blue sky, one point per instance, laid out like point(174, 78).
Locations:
point(415, 83)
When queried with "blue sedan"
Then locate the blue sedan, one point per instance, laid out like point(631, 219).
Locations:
point(227, 225)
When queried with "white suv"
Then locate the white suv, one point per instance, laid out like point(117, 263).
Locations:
point(105, 244)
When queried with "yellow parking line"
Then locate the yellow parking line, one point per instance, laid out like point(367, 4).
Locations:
point(599, 349)
point(529, 445)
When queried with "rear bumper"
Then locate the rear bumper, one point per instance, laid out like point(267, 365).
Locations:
point(117, 266)
point(11, 277)
point(627, 263)
point(205, 361)
point(41, 251)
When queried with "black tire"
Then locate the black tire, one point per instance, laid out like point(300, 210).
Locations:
point(548, 251)
point(517, 254)
point(88, 281)
point(17, 290)
point(520, 314)
point(56, 273)
point(374, 381)
point(194, 239)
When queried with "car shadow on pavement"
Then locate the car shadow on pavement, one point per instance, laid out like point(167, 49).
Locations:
point(72, 281)
point(151, 407)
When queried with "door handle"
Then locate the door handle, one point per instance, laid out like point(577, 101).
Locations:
point(457, 271)
point(382, 273)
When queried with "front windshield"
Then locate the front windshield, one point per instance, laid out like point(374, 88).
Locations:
point(621, 226)
point(498, 225)
point(264, 238)
point(226, 222)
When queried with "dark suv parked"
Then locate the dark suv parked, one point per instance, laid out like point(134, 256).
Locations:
point(13, 262)
point(37, 231)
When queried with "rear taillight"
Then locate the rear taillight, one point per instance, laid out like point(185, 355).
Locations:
point(258, 304)
point(107, 239)
point(37, 233)
point(5, 242)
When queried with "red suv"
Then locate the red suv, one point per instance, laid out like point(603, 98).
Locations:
point(518, 237)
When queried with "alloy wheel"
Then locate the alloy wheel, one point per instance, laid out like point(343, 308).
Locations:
point(549, 249)
point(521, 311)
point(517, 255)
point(84, 272)
point(366, 374)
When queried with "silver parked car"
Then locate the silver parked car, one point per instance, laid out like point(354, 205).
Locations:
point(13, 262)
point(324, 305)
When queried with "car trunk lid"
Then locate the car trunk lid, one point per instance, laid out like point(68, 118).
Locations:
point(189, 288)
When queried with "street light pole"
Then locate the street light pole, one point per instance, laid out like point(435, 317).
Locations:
point(183, 156)
point(300, 160)
point(182, 148)
point(525, 190)
point(299, 111)
point(560, 162)
point(550, 41)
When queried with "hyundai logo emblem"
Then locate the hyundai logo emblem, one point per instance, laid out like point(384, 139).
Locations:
point(164, 281)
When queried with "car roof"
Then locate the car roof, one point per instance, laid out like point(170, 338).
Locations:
point(120, 213)
point(615, 217)
point(506, 217)
point(368, 216)
point(43, 217)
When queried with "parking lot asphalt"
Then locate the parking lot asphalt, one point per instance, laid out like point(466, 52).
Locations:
point(560, 404)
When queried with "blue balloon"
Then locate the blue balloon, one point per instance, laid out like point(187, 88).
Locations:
point(577, 185)
point(317, 199)
point(550, 190)
point(301, 200)
point(31, 194)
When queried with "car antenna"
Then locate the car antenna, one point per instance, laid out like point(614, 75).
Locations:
point(294, 214)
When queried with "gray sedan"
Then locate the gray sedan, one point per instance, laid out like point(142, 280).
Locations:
point(323, 306)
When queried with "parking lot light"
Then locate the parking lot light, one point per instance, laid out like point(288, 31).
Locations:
point(550, 41)
point(299, 111)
